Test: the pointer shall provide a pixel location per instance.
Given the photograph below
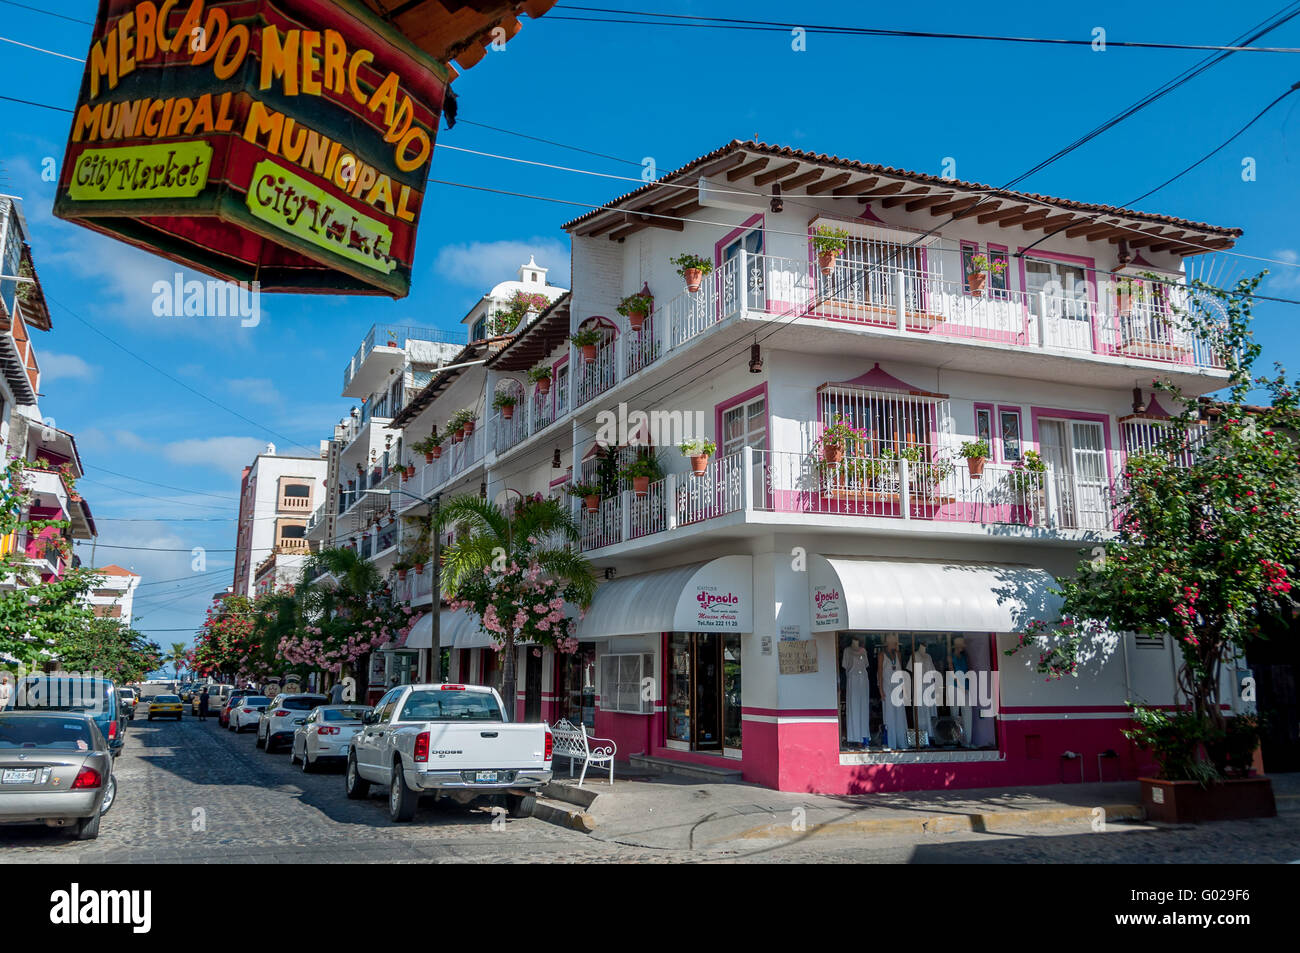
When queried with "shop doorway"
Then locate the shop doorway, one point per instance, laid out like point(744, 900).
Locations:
point(575, 686)
point(704, 692)
point(532, 685)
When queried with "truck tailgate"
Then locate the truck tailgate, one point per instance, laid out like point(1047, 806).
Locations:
point(485, 745)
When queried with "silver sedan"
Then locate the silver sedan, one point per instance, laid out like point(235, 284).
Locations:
point(55, 769)
point(325, 734)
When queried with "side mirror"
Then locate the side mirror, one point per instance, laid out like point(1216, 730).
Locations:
point(368, 718)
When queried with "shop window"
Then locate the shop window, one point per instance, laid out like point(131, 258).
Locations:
point(627, 683)
point(703, 702)
point(923, 691)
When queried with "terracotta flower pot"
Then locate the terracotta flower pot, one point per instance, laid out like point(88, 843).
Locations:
point(507, 411)
point(589, 353)
point(460, 434)
point(636, 320)
point(401, 575)
point(544, 386)
point(405, 476)
point(833, 452)
point(699, 464)
point(593, 502)
point(976, 466)
point(977, 281)
point(429, 457)
point(469, 428)
point(826, 260)
point(437, 452)
point(419, 569)
point(641, 485)
point(693, 277)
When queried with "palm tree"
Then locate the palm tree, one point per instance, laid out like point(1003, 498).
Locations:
point(177, 658)
point(543, 531)
point(336, 579)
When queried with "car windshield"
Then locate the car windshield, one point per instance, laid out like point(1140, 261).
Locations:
point(64, 694)
point(303, 703)
point(45, 732)
point(344, 714)
point(167, 699)
point(253, 701)
point(450, 705)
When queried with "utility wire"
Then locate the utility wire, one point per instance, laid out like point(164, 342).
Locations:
point(164, 486)
point(48, 13)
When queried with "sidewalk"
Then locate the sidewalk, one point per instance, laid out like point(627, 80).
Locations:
point(683, 813)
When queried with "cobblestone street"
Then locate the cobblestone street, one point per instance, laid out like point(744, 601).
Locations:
point(194, 793)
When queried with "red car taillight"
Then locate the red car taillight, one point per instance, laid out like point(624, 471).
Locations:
point(282, 713)
point(112, 730)
point(550, 745)
point(326, 730)
point(248, 711)
point(422, 746)
point(87, 778)
point(453, 688)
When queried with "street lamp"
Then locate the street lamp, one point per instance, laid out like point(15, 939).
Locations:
point(433, 502)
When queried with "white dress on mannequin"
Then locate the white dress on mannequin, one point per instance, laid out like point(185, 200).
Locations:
point(893, 715)
point(857, 695)
point(918, 667)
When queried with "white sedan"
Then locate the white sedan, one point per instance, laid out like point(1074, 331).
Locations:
point(246, 711)
point(326, 734)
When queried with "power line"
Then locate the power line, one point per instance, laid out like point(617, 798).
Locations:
point(461, 121)
point(48, 13)
point(146, 496)
point(39, 49)
point(28, 102)
point(164, 486)
point(738, 24)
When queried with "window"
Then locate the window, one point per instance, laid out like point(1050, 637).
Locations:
point(293, 531)
point(916, 691)
point(445, 705)
point(1063, 284)
point(1010, 425)
point(745, 425)
point(892, 420)
point(999, 281)
point(479, 329)
point(622, 678)
point(300, 490)
point(984, 425)
point(1076, 452)
point(561, 388)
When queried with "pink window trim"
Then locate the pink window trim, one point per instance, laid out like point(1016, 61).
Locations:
point(1020, 414)
point(743, 398)
point(555, 381)
point(1090, 270)
point(994, 442)
point(1052, 413)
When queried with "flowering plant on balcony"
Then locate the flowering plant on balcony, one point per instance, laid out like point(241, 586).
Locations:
point(692, 268)
point(983, 265)
point(505, 402)
point(507, 321)
point(589, 493)
point(699, 451)
point(635, 308)
point(975, 452)
point(837, 438)
point(1027, 475)
point(430, 446)
point(588, 339)
point(828, 242)
point(539, 374)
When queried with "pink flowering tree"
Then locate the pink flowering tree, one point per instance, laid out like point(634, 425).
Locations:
point(515, 569)
point(1208, 541)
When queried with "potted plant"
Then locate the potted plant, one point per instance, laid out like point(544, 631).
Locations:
point(468, 422)
point(836, 436)
point(1128, 290)
point(692, 268)
point(976, 453)
point(978, 271)
point(505, 403)
point(641, 471)
point(635, 308)
point(828, 241)
point(430, 446)
point(1027, 476)
point(402, 565)
point(541, 376)
point(588, 492)
point(587, 339)
point(699, 451)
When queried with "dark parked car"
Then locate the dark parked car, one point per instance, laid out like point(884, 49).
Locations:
point(55, 769)
point(97, 697)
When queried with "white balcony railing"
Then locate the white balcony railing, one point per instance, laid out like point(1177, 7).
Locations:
point(598, 376)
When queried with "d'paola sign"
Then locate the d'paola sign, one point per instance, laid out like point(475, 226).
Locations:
point(280, 141)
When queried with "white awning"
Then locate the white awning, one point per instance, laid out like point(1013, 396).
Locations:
point(716, 596)
point(900, 595)
point(452, 625)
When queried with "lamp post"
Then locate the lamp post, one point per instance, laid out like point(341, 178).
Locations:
point(433, 502)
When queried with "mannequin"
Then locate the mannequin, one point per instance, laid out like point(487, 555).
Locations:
point(925, 710)
point(857, 693)
point(892, 713)
point(959, 665)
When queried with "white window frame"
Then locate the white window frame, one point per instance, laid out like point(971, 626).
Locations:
point(609, 693)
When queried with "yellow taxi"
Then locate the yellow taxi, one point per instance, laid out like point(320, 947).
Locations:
point(165, 706)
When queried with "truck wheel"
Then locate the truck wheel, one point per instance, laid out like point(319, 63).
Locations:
point(356, 786)
point(520, 805)
point(401, 799)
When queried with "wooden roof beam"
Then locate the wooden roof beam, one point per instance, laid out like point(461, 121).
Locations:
point(1025, 219)
point(905, 197)
point(780, 172)
point(825, 185)
point(926, 202)
point(749, 168)
point(997, 215)
point(726, 162)
point(857, 188)
point(1089, 228)
point(1056, 221)
point(959, 207)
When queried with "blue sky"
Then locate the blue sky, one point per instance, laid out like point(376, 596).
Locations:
point(631, 92)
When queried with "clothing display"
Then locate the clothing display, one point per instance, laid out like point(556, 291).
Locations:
point(964, 713)
point(857, 694)
point(926, 688)
point(893, 716)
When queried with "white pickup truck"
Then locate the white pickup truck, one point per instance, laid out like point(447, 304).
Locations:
point(448, 740)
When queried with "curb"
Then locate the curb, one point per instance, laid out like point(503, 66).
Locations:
point(945, 823)
point(564, 815)
point(569, 793)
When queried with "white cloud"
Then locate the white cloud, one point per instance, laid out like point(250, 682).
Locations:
point(258, 390)
point(64, 367)
point(1282, 277)
point(483, 264)
point(221, 453)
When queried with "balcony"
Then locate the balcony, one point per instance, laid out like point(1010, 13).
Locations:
point(18, 360)
point(456, 459)
point(48, 489)
point(530, 418)
point(934, 494)
point(598, 376)
point(295, 504)
point(917, 301)
point(394, 341)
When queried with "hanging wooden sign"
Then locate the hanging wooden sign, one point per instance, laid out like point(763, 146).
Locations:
point(280, 141)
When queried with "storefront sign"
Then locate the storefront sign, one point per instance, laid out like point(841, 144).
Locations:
point(797, 658)
point(827, 606)
point(282, 141)
point(718, 598)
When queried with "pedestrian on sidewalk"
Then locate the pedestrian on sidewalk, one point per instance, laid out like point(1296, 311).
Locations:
point(203, 705)
point(336, 693)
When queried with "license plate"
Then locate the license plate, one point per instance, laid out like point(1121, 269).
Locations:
point(19, 776)
point(300, 721)
point(486, 777)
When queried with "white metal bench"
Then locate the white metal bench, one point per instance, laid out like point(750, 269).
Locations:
point(573, 742)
